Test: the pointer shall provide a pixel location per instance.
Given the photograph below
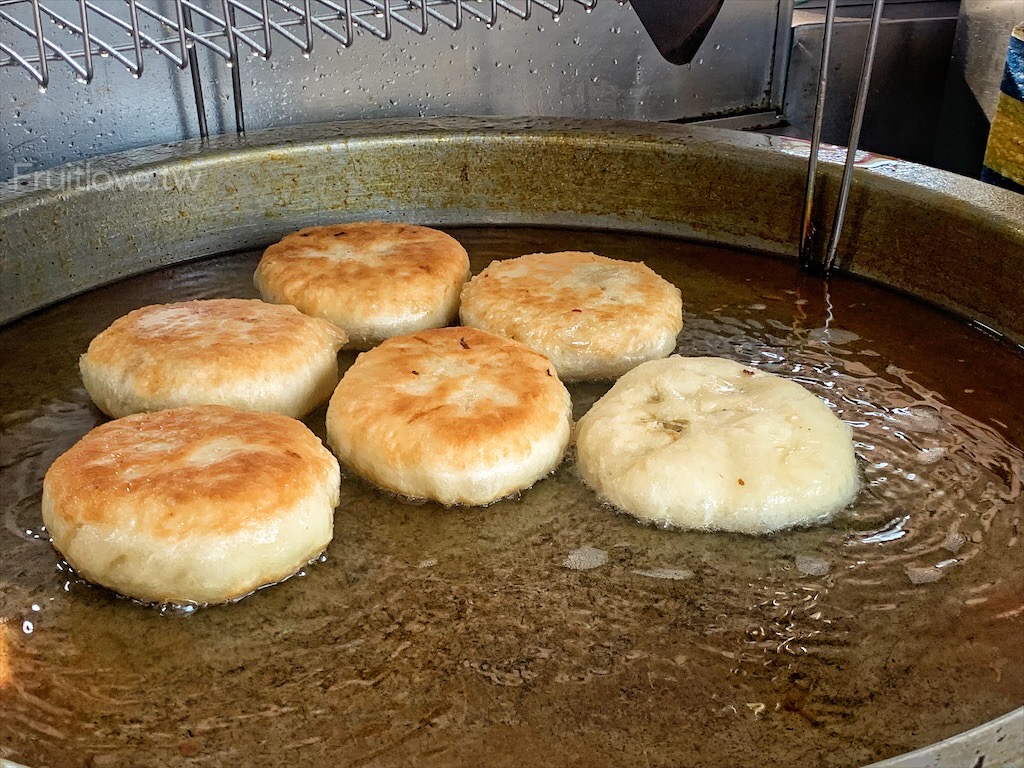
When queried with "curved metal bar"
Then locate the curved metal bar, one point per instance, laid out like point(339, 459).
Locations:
point(83, 17)
point(851, 145)
point(808, 228)
point(807, 225)
point(185, 22)
point(37, 21)
point(236, 66)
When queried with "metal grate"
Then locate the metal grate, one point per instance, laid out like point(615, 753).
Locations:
point(35, 34)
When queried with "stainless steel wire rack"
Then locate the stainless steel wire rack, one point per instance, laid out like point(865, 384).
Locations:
point(73, 33)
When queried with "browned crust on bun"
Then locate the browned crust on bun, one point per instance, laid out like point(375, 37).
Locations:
point(455, 414)
point(243, 353)
point(594, 317)
point(171, 505)
point(375, 279)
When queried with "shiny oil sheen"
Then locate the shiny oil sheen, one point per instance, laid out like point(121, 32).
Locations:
point(549, 629)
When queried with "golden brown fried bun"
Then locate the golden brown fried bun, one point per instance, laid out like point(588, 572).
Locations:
point(456, 415)
point(192, 505)
point(707, 443)
point(594, 317)
point(243, 353)
point(374, 279)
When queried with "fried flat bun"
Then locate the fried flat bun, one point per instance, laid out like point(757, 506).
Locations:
point(242, 353)
point(374, 279)
point(593, 317)
point(455, 415)
point(192, 505)
point(710, 444)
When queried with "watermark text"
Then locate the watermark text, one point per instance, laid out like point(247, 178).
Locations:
point(95, 176)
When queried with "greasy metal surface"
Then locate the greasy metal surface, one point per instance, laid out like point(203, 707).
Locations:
point(599, 64)
point(481, 636)
point(907, 87)
point(954, 241)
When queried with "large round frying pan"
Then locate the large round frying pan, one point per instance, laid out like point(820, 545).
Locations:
point(440, 637)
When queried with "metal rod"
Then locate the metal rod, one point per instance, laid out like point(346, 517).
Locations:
point(184, 59)
point(193, 64)
point(807, 225)
point(263, 25)
point(424, 17)
point(408, 22)
point(198, 39)
point(133, 13)
point(83, 16)
point(858, 119)
point(236, 66)
point(349, 30)
point(69, 57)
point(280, 26)
point(308, 21)
point(513, 9)
point(451, 22)
point(139, 39)
point(267, 43)
point(489, 20)
point(37, 21)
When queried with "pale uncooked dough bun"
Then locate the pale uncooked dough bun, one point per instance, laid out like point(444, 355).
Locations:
point(454, 414)
point(192, 505)
point(710, 444)
point(373, 278)
point(593, 317)
point(243, 353)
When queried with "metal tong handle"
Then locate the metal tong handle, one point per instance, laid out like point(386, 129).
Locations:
point(807, 230)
